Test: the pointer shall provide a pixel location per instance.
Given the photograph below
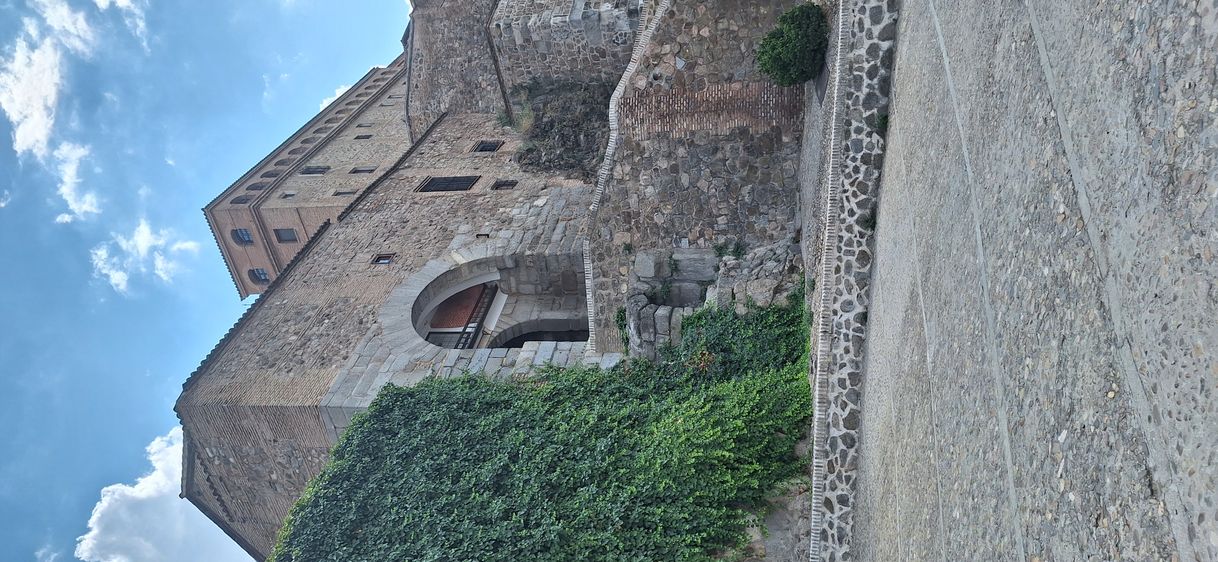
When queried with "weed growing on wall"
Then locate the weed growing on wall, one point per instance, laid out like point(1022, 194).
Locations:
point(648, 461)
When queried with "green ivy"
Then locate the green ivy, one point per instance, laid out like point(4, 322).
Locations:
point(647, 461)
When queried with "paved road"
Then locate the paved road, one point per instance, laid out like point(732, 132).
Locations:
point(1042, 366)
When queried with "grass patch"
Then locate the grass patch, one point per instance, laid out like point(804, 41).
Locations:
point(648, 461)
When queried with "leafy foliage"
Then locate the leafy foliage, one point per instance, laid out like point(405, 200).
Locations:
point(795, 51)
point(648, 461)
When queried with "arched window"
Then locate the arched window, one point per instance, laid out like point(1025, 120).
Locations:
point(242, 236)
point(259, 276)
point(298, 150)
point(285, 162)
point(257, 186)
point(310, 140)
point(333, 120)
point(240, 200)
point(271, 174)
point(322, 130)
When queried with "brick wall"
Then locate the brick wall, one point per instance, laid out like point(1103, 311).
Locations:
point(252, 409)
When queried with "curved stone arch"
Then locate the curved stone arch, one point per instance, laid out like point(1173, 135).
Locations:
point(537, 325)
point(394, 351)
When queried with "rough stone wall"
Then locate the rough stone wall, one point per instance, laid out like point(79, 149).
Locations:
point(252, 410)
point(708, 168)
point(1043, 351)
point(563, 40)
point(452, 66)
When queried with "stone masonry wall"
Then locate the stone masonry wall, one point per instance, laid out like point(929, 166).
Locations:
point(452, 67)
point(708, 168)
point(252, 409)
point(563, 40)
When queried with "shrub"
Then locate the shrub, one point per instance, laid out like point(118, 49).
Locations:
point(648, 461)
point(794, 52)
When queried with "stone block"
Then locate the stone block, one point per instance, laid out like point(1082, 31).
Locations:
point(646, 265)
point(695, 264)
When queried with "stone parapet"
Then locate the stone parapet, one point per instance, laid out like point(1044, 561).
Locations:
point(563, 40)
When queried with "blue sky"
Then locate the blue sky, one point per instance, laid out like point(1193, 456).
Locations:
point(120, 120)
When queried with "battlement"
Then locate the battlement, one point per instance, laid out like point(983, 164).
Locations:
point(563, 40)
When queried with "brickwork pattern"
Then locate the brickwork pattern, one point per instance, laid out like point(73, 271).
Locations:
point(272, 194)
point(718, 108)
point(252, 411)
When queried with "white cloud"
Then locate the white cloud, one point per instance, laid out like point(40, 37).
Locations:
point(133, 15)
point(47, 554)
point(108, 268)
point(144, 250)
point(5, 199)
point(67, 25)
point(29, 91)
point(81, 204)
point(147, 522)
point(338, 93)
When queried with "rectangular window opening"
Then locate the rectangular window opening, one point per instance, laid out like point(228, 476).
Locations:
point(383, 259)
point(343, 192)
point(452, 183)
point(363, 169)
point(504, 184)
point(287, 195)
point(285, 235)
point(314, 170)
point(362, 137)
point(487, 146)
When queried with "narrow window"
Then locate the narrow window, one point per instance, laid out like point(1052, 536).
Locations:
point(341, 193)
point(362, 137)
point(259, 276)
point(287, 195)
point(482, 236)
point(242, 236)
point(487, 146)
point(257, 186)
point(285, 235)
point(363, 125)
point(454, 183)
point(298, 150)
point(363, 169)
point(271, 174)
point(383, 259)
point(314, 170)
point(504, 184)
point(321, 130)
point(240, 200)
point(334, 120)
point(396, 96)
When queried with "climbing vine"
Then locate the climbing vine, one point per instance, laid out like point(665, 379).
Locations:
point(647, 461)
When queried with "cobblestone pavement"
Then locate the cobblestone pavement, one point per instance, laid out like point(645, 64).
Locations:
point(1041, 364)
